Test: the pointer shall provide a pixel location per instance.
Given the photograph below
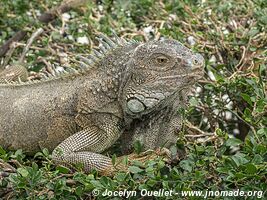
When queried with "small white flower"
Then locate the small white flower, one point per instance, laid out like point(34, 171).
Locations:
point(59, 69)
point(225, 97)
point(198, 90)
point(66, 16)
point(70, 37)
point(191, 40)
point(236, 131)
point(228, 115)
point(83, 40)
point(148, 29)
point(216, 111)
point(209, 11)
point(212, 59)
point(100, 8)
point(38, 12)
point(205, 21)
point(225, 31)
point(172, 17)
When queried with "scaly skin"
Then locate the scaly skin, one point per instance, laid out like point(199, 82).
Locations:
point(132, 90)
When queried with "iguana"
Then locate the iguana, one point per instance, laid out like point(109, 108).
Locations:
point(125, 89)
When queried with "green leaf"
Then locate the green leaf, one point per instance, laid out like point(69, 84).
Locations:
point(120, 176)
point(239, 159)
point(251, 168)
point(2, 151)
point(137, 147)
point(125, 160)
point(253, 32)
point(209, 87)
point(247, 98)
point(56, 35)
point(96, 183)
point(45, 152)
point(38, 154)
point(113, 159)
point(90, 177)
point(187, 165)
point(63, 169)
point(35, 167)
point(239, 175)
point(135, 169)
point(262, 68)
point(79, 191)
point(262, 131)
point(105, 181)
point(151, 182)
point(23, 172)
point(137, 163)
point(193, 101)
point(257, 159)
point(231, 142)
point(174, 150)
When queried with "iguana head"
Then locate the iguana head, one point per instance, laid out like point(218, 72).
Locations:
point(156, 71)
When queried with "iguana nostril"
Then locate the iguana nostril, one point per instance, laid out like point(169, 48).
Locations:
point(135, 106)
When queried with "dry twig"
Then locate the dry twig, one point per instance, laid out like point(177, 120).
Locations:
point(29, 43)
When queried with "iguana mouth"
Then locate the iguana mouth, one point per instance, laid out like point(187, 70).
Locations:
point(197, 72)
point(173, 77)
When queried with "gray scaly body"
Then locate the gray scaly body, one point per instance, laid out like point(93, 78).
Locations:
point(127, 89)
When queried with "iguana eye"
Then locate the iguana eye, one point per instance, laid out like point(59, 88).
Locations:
point(162, 60)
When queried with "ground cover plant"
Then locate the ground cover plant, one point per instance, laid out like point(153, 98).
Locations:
point(224, 136)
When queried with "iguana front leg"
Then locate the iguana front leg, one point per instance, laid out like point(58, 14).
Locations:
point(86, 145)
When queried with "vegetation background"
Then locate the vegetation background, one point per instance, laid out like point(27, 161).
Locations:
point(225, 134)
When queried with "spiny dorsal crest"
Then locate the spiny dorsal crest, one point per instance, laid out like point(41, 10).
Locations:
point(86, 63)
point(106, 45)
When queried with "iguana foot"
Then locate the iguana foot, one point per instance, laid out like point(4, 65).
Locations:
point(151, 155)
point(142, 157)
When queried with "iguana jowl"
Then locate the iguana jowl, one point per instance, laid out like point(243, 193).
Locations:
point(127, 88)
